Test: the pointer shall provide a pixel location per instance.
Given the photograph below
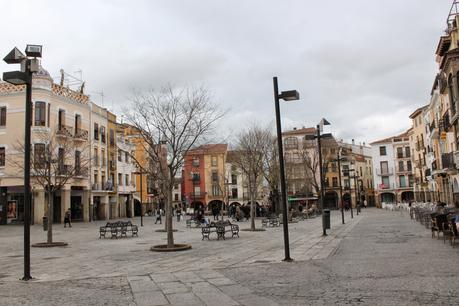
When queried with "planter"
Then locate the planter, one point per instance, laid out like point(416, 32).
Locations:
point(49, 245)
point(175, 248)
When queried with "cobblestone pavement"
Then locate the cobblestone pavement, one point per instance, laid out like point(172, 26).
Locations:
point(379, 257)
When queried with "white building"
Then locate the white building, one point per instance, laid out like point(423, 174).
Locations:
point(126, 168)
point(392, 174)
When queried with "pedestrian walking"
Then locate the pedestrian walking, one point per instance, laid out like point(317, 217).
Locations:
point(68, 218)
point(178, 212)
point(158, 216)
point(365, 203)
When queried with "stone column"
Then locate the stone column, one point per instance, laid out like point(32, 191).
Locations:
point(106, 206)
point(39, 206)
point(85, 202)
point(65, 202)
point(131, 206)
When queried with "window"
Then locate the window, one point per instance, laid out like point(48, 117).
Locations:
point(411, 180)
point(407, 152)
point(102, 134)
point(402, 181)
point(401, 166)
point(233, 179)
point(112, 137)
point(60, 158)
point(2, 157)
point(102, 153)
point(452, 98)
point(195, 161)
point(197, 190)
point(385, 182)
point(77, 162)
point(96, 131)
point(408, 166)
point(195, 177)
point(40, 113)
point(384, 167)
point(126, 157)
point(335, 182)
point(3, 116)
point(126, 179)
point(347, 185)
point(382, 151)
point(39, 155)
point(214, 161)
point(77, 123)
point(96, 157)
point(399, 152)
point(120, 179)
point(215, 190)
point(214, 176)
point(120, 155)
point(49, 113)
point(234, 193)
point(176, 197)
point(61, 119)
point(291, 143)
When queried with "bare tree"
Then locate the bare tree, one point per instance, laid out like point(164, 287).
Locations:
point(271, 167)
point(58, 159)
point(170, 123)
point(249, 158)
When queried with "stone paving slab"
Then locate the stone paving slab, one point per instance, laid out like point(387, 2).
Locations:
point(184, 299)
point(150, 298)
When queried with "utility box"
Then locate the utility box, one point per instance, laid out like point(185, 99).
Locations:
point(327, 218)
point(45, 224)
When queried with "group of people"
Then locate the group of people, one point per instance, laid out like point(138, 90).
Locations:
point(176, 211)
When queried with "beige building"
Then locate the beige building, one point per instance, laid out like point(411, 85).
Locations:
point(57, 112)
point(418, 154)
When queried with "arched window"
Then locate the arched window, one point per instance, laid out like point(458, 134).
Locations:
point(40, 113)
point(452, 98)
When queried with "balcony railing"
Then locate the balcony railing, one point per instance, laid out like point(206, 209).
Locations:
point(63, 170)
point(195, 195)
point(384, 171)
point(447, 161)
point(64, 130)
point(81, 134)
point(81, 171)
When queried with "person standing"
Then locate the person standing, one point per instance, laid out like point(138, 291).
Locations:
point(68, 218)
point(158, 216)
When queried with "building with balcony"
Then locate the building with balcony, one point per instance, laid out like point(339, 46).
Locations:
point(126, 168)
point(393, 178)
point(61, 114)
point(236, 185)
point(203, 176)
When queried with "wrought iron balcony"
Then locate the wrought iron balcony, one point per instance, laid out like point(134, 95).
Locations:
point(384, 171)
point(447, 161)
point(65, 131)
point(81, 134)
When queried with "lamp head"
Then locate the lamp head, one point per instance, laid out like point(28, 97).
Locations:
point(15, 77)
point(289, 95)
point(14, 57)
point(33, 50)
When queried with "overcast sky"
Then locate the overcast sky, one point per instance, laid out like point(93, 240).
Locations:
point(364, 65)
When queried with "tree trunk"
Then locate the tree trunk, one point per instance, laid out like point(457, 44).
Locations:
point(170, 233)
point(252, 207)
point(50, 217)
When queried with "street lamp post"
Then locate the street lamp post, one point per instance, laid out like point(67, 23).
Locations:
point(290, 95)
point(340, 185)
point(29, 65)
point(319, 136)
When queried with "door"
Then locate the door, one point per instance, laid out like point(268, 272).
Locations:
point(77, 208)
point(57, 209)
